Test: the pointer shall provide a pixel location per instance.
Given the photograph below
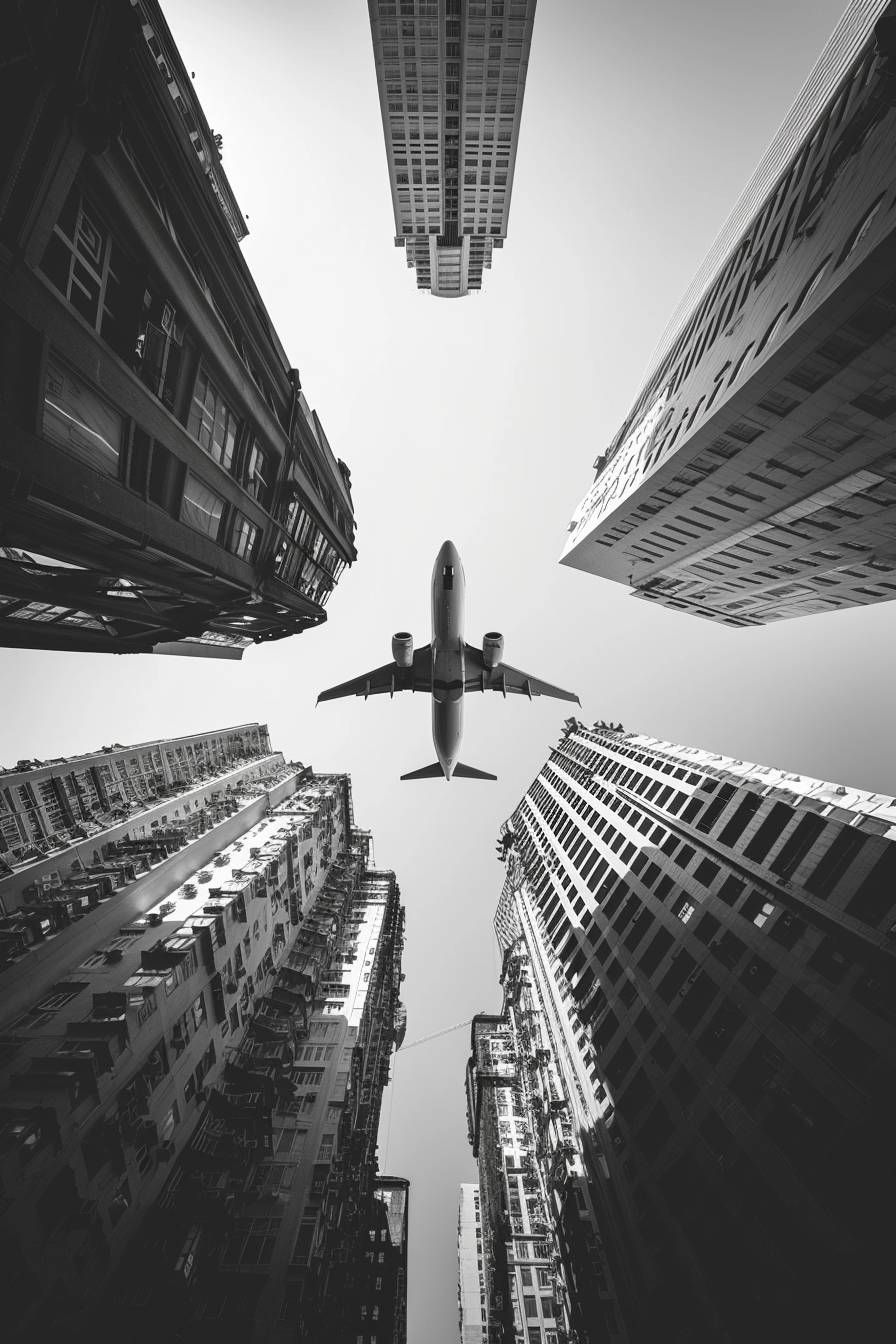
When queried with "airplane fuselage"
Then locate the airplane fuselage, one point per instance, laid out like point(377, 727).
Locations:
point(447, 657)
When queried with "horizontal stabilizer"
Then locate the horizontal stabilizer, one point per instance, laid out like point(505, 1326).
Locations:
point(469, 772)
point(433, 771)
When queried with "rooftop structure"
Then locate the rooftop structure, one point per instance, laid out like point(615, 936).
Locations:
point(451, 78)
point(754, 477)
point(166, 486)
point(710, 944)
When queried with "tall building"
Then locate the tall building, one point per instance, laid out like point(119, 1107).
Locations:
point(754, 478)
point(711, 946)
point(191, 1083)
point(472, 1295)
point(522, 1138)
point(383, 1293)
point(164, 484)
point(451, 76)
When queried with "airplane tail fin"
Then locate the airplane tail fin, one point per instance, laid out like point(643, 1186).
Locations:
point(469, 772)
point(433, 771)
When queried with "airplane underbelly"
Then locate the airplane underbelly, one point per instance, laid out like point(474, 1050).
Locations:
point(447, 728)
point(447, 674)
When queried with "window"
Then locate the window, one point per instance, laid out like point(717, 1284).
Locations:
point(245, 538)
point(202, 509)
point(258, 473)
point(79, 420)
point(57, 997)
point(211, 422)
point(84, 264)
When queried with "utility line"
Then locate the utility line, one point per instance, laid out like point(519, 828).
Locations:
point(421, 1040)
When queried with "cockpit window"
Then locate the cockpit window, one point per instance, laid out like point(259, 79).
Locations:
point(447, 577)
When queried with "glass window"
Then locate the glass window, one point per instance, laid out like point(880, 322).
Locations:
point(202, 508)
point(80, 420)
point(245, 538)
point(211, 422)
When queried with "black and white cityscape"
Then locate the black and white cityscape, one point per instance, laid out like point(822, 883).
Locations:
point(595, 1045)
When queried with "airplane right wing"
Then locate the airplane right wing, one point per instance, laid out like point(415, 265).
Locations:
point(508, 680)
point(388, 678)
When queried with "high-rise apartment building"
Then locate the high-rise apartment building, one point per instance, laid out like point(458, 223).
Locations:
point(472, 1294)
point(754, 478)
point(164, 484)
point(382, 1293)
point(451, 76)
point(539, 1257)
point(711, 946)
point(191, 1082)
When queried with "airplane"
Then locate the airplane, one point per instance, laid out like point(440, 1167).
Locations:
point(448, 669)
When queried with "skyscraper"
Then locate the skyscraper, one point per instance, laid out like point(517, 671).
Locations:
point(164, 483)
point(714, 944)
point(754, 477)
point(451, 76)
point(382, 1292)
point(191, 1081)
point(537, 1242)
point(472, 1293)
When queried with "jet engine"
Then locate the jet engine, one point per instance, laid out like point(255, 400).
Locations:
point(492, 648)
point(403, 648)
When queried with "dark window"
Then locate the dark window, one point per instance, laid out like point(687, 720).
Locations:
point(714, 1041)
point(757, 974)
point(84, 263)
point(875, 898)
point(706, 872)
point(683, 1086)
point(829, 961)
point(618, 1065)
point(698, 993)
point(706, 928)
point(656, 1129)
point(644, 1023)
point(835, 861)
point(613, 970)
point(636, 1095)
point(731, 890)
point(788, 929)
point(640, 927)
point(655, 950)
point(728, 949)
point(676, 976)
point(768, 832)
point(797, 845)
point(746, 811)
point(796, 1010)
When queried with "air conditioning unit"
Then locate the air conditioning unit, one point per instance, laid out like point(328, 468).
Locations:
point(166, 1150)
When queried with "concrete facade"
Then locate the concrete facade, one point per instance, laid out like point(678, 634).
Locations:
point(714, 945)
point(754, 478)
point(451, 78)
point(166, 486)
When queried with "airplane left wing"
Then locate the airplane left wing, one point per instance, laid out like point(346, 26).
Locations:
point(388, 678)
point(506, 679)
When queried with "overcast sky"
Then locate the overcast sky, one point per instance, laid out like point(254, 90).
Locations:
point(478, 419)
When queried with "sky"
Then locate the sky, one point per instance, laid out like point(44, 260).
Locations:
point(478, 420)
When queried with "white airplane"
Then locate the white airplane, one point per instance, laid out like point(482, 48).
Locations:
point(448, 669)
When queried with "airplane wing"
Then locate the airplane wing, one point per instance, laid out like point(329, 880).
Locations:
point(388, 678)
point(506, 679)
